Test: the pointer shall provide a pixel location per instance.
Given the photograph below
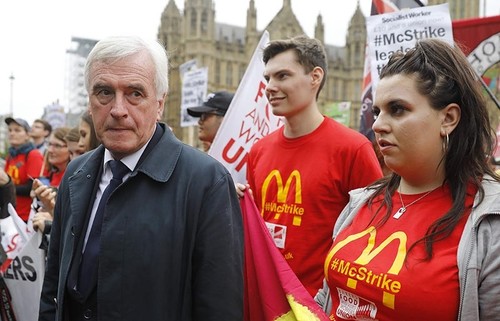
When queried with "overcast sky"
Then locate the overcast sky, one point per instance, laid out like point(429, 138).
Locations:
point(35, 34)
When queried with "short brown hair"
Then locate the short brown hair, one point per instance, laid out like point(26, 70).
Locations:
point(46, 125)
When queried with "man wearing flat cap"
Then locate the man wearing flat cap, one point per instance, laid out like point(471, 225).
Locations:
point(211, 114)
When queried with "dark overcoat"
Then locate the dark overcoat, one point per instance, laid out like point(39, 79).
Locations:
point(172, 238)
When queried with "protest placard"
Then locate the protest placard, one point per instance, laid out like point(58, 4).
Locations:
point(22, 270)
point(194, 91)
point(24, 279)
point(399, 31)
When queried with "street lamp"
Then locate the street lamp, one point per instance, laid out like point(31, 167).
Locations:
point(12, 78)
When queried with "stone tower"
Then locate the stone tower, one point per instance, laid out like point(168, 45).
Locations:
point(226, 50)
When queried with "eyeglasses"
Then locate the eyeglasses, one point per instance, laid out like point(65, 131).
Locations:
point(205, 116)
point(56, 146)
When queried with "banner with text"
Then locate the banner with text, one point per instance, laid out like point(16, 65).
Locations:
point(194, 91)
point(399, 31)
point(480, 40)
point(366, 116)
point(22, 269)
point(248, 119)
point(24, 279)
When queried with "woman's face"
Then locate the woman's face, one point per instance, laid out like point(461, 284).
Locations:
point(84, 142)
point(74, 149)
point(17, 135)
point(407, 129)
point(57, 152)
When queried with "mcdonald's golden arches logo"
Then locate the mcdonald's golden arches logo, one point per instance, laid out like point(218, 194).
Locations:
point(357, 274)
point(280, 206)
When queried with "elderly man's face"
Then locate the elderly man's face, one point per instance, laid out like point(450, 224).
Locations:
point(123, 103)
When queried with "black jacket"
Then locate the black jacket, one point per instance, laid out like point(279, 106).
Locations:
point(171, 250)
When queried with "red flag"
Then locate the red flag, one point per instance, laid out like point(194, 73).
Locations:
point(272, 291)
point(383, 6)
point(480, 39)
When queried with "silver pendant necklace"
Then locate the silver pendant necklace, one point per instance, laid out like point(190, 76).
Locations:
point(403, 207)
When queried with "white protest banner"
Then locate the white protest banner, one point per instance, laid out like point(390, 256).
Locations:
point(12, 241)
point(14, 236)
point(194, 91)
point(24, 279)
point(20, 224)
point(398, 31)
point(248, 119)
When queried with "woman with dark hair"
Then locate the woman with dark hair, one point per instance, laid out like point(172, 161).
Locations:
point(424, 242)
point(88, 138)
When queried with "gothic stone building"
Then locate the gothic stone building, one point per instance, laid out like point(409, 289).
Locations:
point(226, 51)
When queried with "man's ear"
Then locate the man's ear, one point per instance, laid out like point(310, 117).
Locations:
point(317, 75)
point(161, 107)
point(451, 117)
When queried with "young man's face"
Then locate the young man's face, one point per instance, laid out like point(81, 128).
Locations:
point(290, 90)
point(38, 130)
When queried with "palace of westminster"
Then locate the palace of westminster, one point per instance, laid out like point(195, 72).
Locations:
point(226, 50)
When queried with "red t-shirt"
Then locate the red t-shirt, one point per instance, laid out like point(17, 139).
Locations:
point(56, 178)
point(301, 185)
point(372, 277)
point(20, 171)
point(53, 177)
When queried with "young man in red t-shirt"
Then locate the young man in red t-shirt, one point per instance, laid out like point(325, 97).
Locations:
point(300, 175)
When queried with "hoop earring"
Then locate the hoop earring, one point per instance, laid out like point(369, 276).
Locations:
point(446, 143)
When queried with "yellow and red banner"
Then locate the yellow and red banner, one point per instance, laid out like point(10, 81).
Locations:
point(272, 291)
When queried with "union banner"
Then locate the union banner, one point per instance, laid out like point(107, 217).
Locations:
point(479, 39)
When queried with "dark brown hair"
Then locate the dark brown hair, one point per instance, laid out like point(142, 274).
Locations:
point(444, 76)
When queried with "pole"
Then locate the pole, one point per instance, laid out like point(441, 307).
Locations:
point(12, 78)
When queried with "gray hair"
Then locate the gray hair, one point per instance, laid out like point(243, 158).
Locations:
point(124, 46)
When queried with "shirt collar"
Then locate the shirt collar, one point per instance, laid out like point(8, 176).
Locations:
point(130, 160)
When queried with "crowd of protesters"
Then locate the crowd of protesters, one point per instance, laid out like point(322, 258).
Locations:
point(425, 181)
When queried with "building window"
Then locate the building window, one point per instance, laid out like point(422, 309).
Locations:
point(357, 54)
point(217, 71)
point(229, 74)
point(204, 23)
point(242, 71)
point(193, 22)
